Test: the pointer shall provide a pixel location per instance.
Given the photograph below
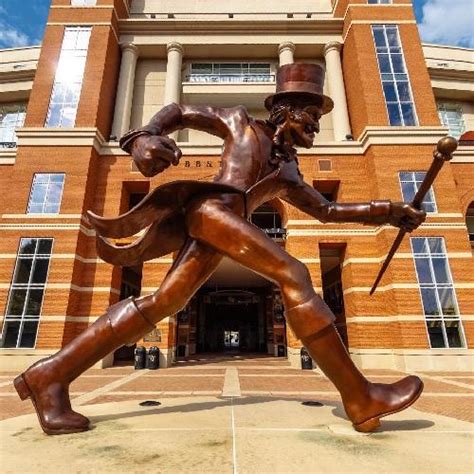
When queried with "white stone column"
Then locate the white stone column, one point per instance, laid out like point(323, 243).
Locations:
point(173, 83)
point(337, 92)
point(286, 53)
point(173, 73)
point(124, 97)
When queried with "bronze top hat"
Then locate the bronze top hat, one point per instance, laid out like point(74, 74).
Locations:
point(301, 79)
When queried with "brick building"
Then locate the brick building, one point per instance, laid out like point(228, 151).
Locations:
point(108, 65)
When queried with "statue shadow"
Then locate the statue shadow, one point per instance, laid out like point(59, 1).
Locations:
point(337, 411)
point(389, 425)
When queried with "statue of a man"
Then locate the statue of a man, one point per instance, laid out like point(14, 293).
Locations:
point(206, 221)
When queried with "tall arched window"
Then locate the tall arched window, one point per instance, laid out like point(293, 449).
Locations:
point(269, 220)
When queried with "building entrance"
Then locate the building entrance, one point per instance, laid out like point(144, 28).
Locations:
point(236, 311)
point(231, 320)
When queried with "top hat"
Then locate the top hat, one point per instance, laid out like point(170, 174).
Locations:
point(301, 79)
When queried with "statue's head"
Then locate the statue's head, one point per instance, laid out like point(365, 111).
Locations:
point(298, 104)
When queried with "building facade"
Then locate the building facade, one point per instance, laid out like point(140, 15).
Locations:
point(106, 66)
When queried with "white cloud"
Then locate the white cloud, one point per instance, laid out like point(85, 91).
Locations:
point(448, 22)
point(11, 37)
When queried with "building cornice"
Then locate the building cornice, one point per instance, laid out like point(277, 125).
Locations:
point(7, 156)
point(371, 136)
point(321, 24)
point(54, 137)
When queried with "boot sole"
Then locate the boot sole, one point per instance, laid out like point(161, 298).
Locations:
point(373, 423)
point(25, 392)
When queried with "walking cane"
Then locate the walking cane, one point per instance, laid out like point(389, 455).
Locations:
point(444, 152)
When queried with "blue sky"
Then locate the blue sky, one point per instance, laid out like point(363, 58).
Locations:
point(440, 21)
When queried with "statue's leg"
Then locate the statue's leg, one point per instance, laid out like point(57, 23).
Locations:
point(193, 266)
point(47, 382)
point(217, 223)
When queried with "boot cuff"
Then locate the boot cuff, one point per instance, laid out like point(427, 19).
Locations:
point(127, 321)
point(310, 317)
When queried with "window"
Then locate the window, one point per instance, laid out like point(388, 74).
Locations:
point(451, 116)
point(269, 220)
point(393, 73)
point(437, 292)
point(26, 293)
point(83, 3)
point(68, 80)
point(328, 188)
point(46, 193)
point(379, 1)
point(470, 222)
point(410, 181)
point(231, 72)
point(11, 116)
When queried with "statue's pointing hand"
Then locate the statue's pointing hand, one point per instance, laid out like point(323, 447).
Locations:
point(153, 154)
point(405, 216)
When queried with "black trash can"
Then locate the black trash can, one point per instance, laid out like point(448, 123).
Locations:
point(306, 361)
point(140, 358)
point(153, 358)
point(281, 350)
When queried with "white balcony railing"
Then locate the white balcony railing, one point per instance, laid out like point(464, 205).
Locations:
point(230, 78)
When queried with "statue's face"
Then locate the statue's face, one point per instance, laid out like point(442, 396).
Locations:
point(303, 123)
point(296, 122)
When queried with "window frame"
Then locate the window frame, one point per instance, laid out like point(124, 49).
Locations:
point(431, 190)
point(83, 3)
point(393, 79)
point(435, 285)
point(245, 71)
point(20, 112)
point(445, 107)
point(73, 86)
point(28, 287)
point(46, 194)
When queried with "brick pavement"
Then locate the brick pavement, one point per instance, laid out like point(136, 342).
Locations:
point(448, 394)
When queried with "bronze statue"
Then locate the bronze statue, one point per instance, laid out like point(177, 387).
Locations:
point(208, 220)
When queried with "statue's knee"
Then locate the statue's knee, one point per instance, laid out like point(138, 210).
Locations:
point(297, 275)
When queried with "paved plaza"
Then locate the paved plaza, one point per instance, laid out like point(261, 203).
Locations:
point(238, 414)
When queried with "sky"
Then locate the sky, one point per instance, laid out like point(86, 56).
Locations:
point(447, 22)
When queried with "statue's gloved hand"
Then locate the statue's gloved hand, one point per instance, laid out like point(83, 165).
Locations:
point(405, 216)
point(154, 153)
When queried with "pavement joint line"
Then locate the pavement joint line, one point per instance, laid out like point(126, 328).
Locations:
point(231, 383)
point(184, 375)
point(81, 400)
point(457, 376)
point(321, 392)
point(234, 439)
point(281, 375)
point(450, 382)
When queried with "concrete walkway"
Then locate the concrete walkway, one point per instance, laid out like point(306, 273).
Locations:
point(246, 434)
point(238, 414)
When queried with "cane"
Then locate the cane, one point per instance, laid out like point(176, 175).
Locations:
point(444, 152)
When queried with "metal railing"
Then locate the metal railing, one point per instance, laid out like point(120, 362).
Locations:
point(7, 144)
point(230, 78)
point(276, 233)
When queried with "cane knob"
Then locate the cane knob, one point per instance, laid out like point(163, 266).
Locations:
point(446, 147)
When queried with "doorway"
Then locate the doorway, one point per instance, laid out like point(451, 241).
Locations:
point(332, 257)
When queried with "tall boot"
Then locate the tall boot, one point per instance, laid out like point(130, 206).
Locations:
point(47, 381)
point(364, 402)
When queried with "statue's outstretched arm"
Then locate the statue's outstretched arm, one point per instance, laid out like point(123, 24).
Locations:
point(309, 200)
point(153, 151)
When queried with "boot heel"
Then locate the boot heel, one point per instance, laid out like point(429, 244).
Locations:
point(22, 388)
point(368, 426)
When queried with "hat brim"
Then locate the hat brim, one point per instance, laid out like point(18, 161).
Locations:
point(323, 101)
